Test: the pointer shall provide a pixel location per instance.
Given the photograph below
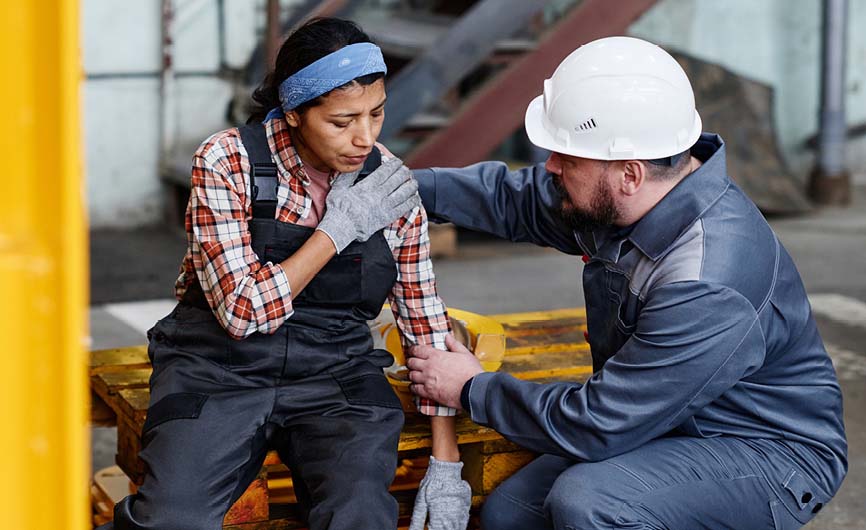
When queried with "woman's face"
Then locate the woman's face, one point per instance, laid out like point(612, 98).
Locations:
point(339, 133)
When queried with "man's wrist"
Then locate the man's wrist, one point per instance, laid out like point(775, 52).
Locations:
point(464, 395)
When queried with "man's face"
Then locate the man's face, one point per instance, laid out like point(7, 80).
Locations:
point(585, 188)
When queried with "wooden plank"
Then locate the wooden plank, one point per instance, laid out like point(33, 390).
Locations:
point(119, 359)
point(132, 404)
point(101, 414)
point(499, 466)
point(128, 448)
point(416, 432)
point(108, 383)
point(540, 317)
point(549, 364)
point(252, 506)
point(543, 332)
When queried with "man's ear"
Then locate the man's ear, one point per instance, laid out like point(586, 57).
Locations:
point(293, 119)
point(634, 176)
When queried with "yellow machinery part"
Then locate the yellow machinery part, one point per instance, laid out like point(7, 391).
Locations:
point(481, 334)
point(44, 450)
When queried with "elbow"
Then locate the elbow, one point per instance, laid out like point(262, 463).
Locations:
point(236, 327)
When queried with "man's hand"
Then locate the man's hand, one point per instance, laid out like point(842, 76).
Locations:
point(440, 375)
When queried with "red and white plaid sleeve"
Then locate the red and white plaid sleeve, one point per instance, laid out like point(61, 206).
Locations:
point(420, 313)
point(245, 296)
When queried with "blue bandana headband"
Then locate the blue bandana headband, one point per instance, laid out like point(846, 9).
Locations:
point(329, 72)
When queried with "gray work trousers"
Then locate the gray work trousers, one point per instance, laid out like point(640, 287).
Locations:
point(209, 429)
point(669, 483)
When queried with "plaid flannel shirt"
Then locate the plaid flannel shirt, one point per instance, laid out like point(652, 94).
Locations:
point(249, 297)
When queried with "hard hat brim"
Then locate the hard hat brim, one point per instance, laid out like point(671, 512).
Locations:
point(533, 122)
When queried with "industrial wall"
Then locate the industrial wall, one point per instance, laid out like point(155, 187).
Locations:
point(774, 41)
point(123, 115)
point(777, 42)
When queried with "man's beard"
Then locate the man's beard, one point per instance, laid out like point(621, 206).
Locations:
point(602, 210)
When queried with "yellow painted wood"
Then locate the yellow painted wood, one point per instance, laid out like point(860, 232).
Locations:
point(547, 373)
point(539, 316)
point(118, 359)
point(44, 398)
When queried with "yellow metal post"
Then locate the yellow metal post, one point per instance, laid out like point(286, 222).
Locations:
point(44, 452)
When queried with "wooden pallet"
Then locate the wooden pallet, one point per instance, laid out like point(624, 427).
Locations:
point(541, 346)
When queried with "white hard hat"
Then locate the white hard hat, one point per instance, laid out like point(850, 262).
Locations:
point(617, 98)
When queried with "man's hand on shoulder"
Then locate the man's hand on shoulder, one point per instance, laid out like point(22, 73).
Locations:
point(440, 375)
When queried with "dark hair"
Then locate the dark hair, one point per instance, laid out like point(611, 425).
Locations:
point(661, 172)
point(306, 45)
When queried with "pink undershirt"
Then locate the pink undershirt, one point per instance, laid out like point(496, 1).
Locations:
point(320, 185)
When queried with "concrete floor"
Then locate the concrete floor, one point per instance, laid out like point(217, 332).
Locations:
point(828, 245)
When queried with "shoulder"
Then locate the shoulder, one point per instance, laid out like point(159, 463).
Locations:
point(220, 145)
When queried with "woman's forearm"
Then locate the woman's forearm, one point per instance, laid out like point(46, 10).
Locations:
point(303, 265)
point(444, 438)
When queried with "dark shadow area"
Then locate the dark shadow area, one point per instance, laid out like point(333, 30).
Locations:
point(141, 264)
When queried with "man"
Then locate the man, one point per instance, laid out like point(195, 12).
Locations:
point(713, 403)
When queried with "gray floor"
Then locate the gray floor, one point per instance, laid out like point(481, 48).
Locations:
point(829, 247)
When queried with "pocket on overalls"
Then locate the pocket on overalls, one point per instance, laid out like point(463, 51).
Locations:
point(366, 388)
point(339, 283)
point(182, 405)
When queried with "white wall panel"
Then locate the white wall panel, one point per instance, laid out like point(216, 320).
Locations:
point(196, 36)
point(120, 37)
point(121, 135)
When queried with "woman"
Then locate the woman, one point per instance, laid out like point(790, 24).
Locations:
point(288, 258)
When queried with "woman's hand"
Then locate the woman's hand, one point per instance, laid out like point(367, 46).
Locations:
point(357, 211)
point(443, 496)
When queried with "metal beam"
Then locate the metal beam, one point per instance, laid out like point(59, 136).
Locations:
point(456, 53)
point(498, 109)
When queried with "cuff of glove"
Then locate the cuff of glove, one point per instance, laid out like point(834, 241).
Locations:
point(444, 470)
point(338, 228)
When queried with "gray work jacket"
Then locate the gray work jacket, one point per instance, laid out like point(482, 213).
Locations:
point(698, 323)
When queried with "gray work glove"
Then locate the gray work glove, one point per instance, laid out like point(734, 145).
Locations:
point(444, 496)
point(356, 212)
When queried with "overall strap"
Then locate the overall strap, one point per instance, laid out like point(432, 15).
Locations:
point(263, 175)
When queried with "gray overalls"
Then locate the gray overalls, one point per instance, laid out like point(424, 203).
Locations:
point(314, 391)
point(713, 403)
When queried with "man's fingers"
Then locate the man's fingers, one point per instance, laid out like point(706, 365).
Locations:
point(455, 345)
point(416, 376)
point(420, 351)
point(419, 390)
